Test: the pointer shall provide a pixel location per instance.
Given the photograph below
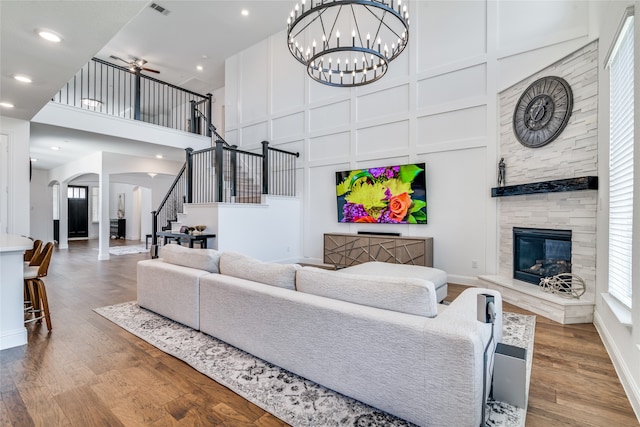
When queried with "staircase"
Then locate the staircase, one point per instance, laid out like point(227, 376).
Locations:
point(224, 174)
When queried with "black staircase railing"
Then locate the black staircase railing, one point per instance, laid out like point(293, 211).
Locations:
point(118, 91)
point(172, 203)
point(223, 173)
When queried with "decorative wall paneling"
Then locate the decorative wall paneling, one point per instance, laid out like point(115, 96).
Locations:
point(459, 85)
point(444, 43)
point(292, 125)
point(438, 104)
point(557, 22)
point(329, 116)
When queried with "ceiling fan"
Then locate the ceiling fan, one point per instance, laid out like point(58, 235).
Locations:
point(136, 64)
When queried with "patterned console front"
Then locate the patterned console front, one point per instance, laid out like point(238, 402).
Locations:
point(344, 250)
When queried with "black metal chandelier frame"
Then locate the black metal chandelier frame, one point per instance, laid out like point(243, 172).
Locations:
point(389, 16)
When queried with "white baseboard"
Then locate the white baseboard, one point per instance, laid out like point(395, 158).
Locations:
point(462, 280)
point(13, 338)
point(622, 369)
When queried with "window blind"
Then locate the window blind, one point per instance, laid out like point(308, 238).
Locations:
point(621, 165)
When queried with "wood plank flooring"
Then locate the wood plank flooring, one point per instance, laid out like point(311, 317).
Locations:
point(90, 372)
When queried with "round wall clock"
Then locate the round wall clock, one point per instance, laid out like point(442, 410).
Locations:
point(542, 112)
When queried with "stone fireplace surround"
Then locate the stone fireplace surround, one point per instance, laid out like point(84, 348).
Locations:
point(573, 155)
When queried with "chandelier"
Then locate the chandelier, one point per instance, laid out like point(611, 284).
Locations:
point(347, 43)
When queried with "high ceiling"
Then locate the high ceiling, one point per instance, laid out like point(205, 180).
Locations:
point(196, 33)
point(189, 34)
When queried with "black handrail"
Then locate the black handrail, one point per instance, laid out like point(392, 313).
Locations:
point(163, 204)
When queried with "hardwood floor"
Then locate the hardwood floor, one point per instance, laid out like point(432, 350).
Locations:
point(90, 372)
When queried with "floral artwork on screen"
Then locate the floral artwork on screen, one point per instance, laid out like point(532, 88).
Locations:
point(389, 195)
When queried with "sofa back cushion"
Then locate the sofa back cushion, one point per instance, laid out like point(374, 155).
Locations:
point(405, 295)
point(269, 273)
point(201, 259)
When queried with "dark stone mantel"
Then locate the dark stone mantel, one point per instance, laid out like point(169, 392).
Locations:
point(555, 186)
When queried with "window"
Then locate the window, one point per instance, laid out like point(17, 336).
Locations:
point(56, 201)
point(621, 134)
point(76, 192)
point(95, 204)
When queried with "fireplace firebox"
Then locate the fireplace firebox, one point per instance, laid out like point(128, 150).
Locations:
point(539, 253)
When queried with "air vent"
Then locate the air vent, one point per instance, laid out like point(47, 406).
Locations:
point(159, 8)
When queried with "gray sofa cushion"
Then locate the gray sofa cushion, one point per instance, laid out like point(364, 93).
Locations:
point(405, 295)
point(201, 259)
point(269, 273)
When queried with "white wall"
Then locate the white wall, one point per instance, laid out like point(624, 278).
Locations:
point(41, 206)
point(622, 341)
point(438, 104)
point(87, 120)
point(269, 232)
point(16, 133)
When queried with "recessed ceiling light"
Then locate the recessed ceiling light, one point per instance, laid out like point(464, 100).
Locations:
point(244, 12)
point(34, 160)
point(50, 36)
point(199, 68)
point(89, 102)
point(22, 78)
point(55, 148)
point(6, 105)
point(158, 156)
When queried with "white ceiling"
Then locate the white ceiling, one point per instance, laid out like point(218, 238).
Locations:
point(193, 33)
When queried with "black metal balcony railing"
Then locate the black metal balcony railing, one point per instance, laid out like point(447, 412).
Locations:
point(111, 89)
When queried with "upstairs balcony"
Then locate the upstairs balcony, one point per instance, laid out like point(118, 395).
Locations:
point(123, 92)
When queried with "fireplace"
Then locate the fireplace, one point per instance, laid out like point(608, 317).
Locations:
point(540, 253)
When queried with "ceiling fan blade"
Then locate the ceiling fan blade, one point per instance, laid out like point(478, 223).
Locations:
point(119, 59)
point(150, 70)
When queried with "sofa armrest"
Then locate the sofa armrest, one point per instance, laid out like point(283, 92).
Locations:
point(465, 307)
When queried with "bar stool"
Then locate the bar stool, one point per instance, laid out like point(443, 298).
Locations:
point(35, 288)
point(29, 254)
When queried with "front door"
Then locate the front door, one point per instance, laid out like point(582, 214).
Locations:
point(78, 211)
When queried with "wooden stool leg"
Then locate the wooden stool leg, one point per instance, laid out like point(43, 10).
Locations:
point(32, 290)
point(42, 291)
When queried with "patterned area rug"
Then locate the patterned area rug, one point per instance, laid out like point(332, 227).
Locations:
point(127, 250)
point(289, 397)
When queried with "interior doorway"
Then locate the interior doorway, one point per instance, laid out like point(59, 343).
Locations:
point(78, 213)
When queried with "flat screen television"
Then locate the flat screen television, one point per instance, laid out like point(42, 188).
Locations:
point(384, 195)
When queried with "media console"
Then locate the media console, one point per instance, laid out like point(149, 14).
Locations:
point(344, 250)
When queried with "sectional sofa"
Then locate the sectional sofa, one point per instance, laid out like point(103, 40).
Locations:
point(384, 341)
